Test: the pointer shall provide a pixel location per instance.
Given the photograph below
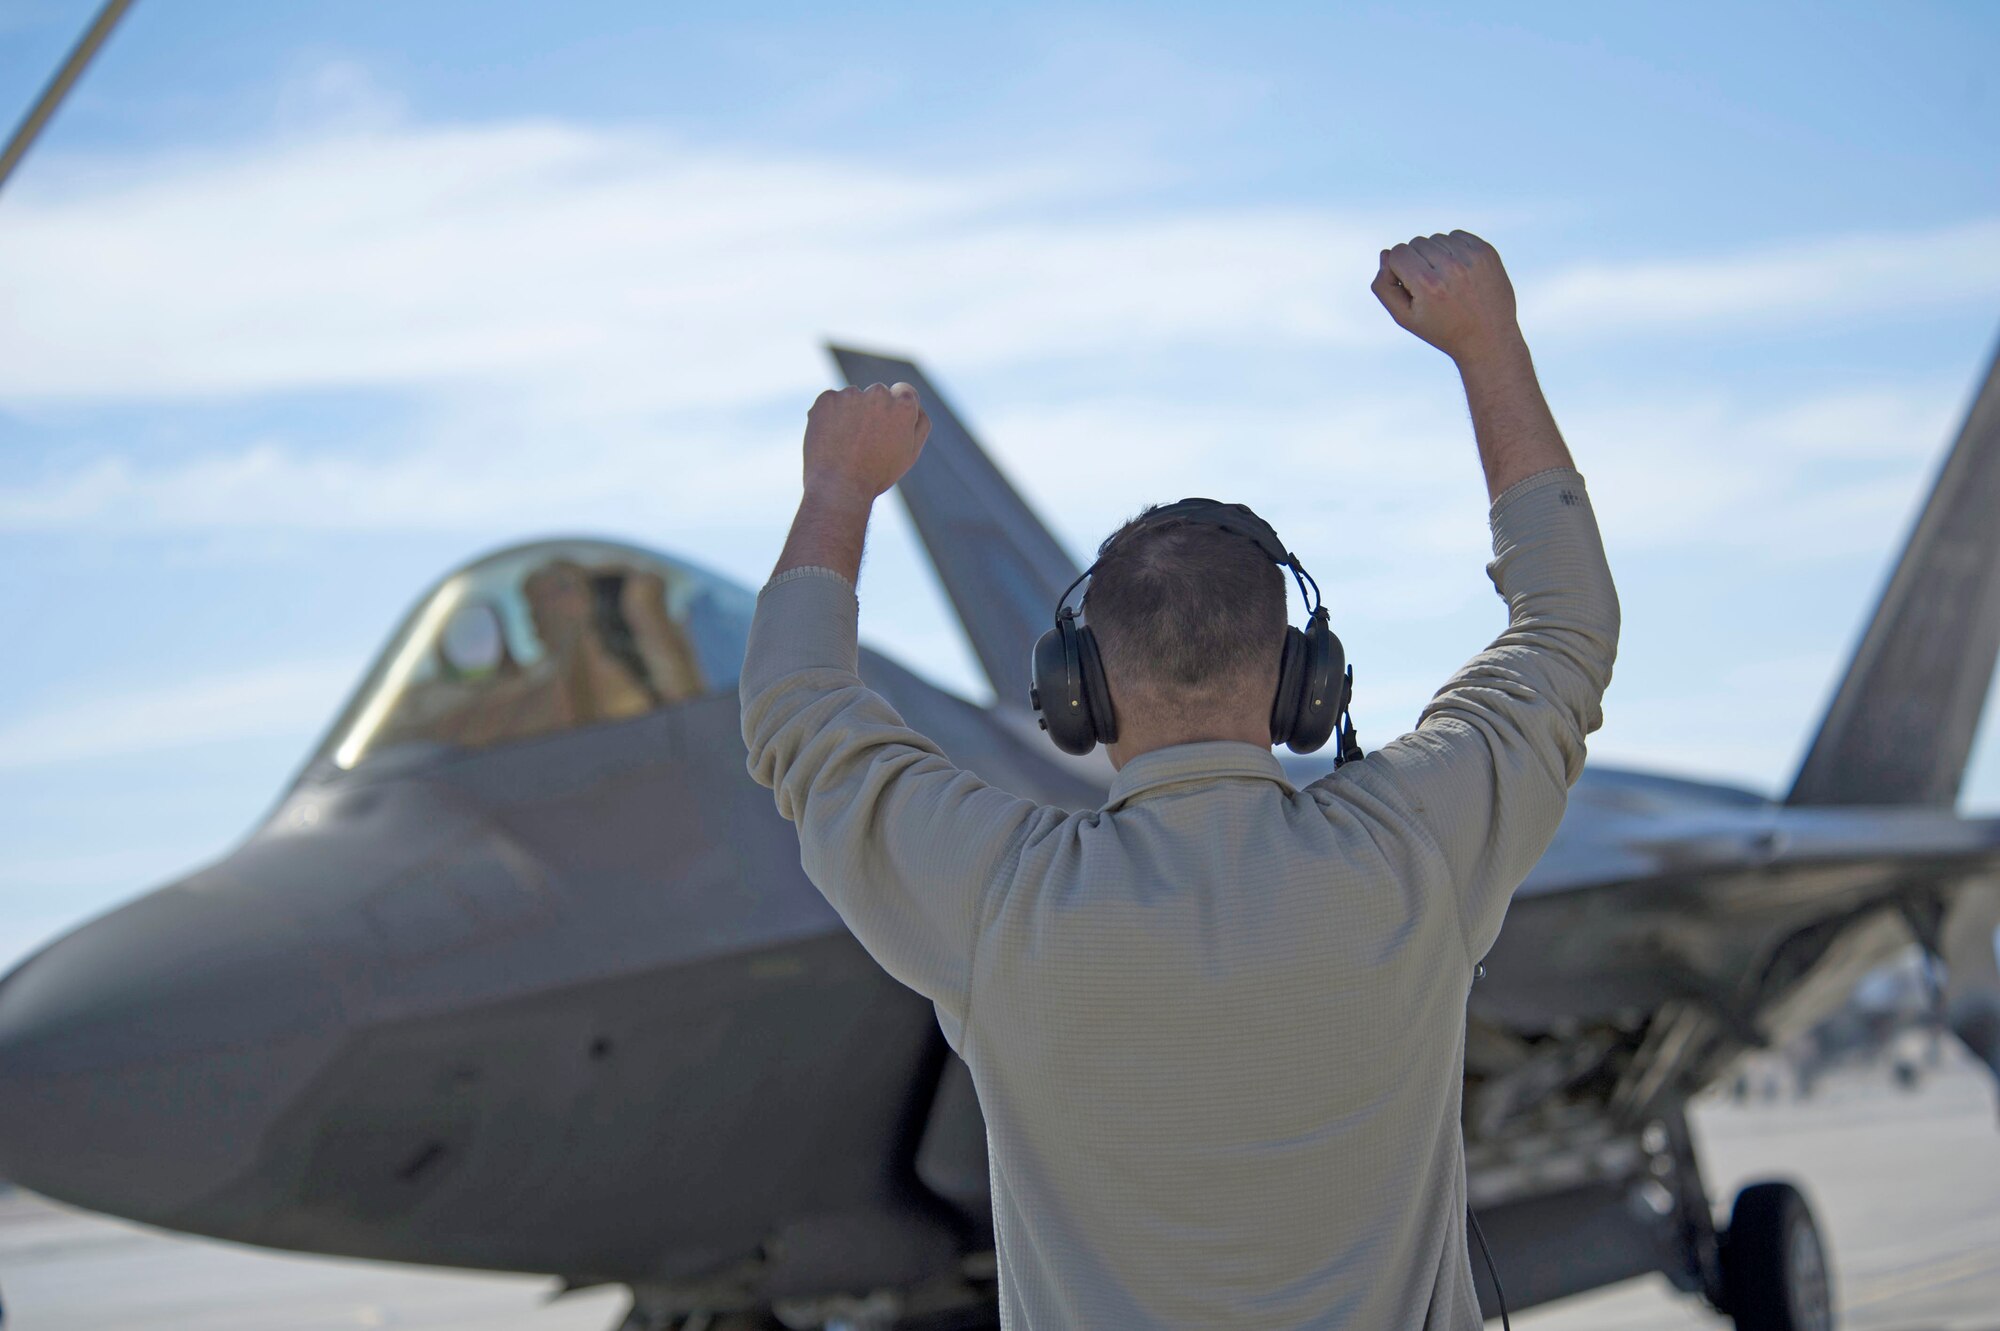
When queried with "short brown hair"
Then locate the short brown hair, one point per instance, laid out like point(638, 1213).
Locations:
point(1185, 610)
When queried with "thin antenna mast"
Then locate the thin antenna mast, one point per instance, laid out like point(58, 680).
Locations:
point(52, 96)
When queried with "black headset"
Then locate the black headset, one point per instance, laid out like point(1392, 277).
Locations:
point(1315, 684)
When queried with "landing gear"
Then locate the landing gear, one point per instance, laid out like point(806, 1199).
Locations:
point(1774, 1268)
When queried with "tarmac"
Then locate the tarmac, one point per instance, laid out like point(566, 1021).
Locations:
point(1906, 1185)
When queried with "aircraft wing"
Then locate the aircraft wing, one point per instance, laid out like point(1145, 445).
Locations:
point(1654, 948)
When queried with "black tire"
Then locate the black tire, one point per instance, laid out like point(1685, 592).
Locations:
point(1774, 1267)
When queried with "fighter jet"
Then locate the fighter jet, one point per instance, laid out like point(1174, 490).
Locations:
point(522, 972)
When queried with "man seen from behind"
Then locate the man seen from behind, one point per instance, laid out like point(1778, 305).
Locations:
point(1216, 1025)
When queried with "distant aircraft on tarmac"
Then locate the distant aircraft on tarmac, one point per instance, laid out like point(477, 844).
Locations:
point(522, 972)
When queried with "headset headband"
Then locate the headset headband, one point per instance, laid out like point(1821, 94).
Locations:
point(1235, 518)
point(1238, 520)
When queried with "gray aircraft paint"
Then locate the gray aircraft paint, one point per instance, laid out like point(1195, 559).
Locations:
point(568, 1004)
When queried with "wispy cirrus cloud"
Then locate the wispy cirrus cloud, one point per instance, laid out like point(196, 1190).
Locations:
point(587, 325)
point(621, 270)
point(1776, 284)
point(640, 476)
point(1721, 468)
point(232, 705)
point(599, 266)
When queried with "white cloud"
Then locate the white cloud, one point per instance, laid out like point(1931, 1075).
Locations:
point(591, 326)
point(1775, 284)
point(1794, 479)
point(244, 704)
point(1391, 467)
point(1877, 423)
point(1742, 721)
point(585, 264)
point(449, 483)
point(613, 270)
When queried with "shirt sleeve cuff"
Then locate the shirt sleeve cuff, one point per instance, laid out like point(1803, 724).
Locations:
point(806, 620)
point(808, 571)
point(1545, 538)
point(1521, 489)
point(1534, 508)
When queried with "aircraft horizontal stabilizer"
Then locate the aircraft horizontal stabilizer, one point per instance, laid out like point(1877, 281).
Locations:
point(1900, 728)
point(1000, 566)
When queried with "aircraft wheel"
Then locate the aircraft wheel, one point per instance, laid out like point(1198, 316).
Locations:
point(1774, 1268)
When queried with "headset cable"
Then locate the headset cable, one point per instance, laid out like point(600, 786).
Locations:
point(1492, 1273)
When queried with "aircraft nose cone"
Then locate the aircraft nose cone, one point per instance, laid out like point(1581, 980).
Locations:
point(142, 1056)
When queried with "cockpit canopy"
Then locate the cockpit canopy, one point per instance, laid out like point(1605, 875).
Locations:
point(542, 638)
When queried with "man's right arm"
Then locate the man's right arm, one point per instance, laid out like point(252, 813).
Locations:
point(1486, 773)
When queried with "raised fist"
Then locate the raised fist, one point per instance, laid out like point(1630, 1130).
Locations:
point(860, 441)
point(1451, 291)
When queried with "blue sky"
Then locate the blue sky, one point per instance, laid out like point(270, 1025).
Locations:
point(301, 305)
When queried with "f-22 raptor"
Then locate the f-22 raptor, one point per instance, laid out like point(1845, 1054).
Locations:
point(522, 972)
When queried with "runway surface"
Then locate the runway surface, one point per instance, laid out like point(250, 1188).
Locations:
point(1907, 1184)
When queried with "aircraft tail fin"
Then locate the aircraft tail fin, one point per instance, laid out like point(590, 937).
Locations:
point(1002, 569)
point(1900, 728)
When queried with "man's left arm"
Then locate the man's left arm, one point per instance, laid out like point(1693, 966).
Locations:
point(901, 842)
point(1487, 771)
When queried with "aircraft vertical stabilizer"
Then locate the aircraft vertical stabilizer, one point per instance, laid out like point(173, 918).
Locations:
point(1000, 566)
point(1900, 728)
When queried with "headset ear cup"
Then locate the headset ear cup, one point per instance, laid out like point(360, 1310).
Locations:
point(1058, 689)
point(1047, 653)
point(1096, 688)
point(1323, 686)
point(1059, 684)
point(1291, 678)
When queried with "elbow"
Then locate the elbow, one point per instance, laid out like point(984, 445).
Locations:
point(762, 730)
point(1607, 624)
point(1605, 656)
point(1603, 659)
point(1588, 642)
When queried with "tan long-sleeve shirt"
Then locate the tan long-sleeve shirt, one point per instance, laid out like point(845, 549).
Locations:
point(1216, 1025)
